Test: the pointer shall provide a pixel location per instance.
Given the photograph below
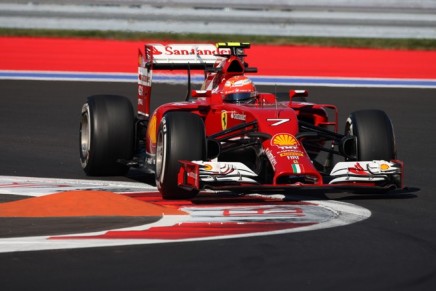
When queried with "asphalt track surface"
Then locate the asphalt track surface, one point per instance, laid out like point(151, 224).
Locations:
point(395, 249)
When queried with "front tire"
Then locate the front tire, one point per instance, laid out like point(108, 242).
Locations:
point(181, 136)
point(374, 135)
point(106, 135)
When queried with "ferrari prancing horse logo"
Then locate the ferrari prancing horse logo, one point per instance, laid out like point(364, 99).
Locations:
point(224, 120)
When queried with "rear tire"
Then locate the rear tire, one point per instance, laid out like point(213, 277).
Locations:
point(106, 135)
point(375, 135)
point(181, 136)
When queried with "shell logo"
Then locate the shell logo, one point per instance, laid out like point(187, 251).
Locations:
point(208, 167)
point(284, 139)
point(384, 167)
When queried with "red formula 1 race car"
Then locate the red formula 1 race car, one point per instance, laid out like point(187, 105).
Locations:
point(227, 136)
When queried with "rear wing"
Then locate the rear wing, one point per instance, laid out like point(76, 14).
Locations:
point(182, 56)
point(179, 57)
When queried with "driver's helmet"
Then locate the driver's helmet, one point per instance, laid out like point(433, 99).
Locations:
point(239, 89)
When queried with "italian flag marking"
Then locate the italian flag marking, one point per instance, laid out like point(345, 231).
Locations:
point(297, 168)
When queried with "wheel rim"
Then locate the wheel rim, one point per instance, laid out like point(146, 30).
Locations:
point(349, 127)
point(85, 135)
point(159, 155)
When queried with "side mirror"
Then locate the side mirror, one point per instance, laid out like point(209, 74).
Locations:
point(298, 93)
point(201, 93)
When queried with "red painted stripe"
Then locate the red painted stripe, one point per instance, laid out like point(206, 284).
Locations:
point(345, 62)
point(91, 55)
point(50, 54)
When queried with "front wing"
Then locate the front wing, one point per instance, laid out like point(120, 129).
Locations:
point(356, 177)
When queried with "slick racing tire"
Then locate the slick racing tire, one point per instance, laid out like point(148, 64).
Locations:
point(106, 135)
point(374, 135)
point(181, 136)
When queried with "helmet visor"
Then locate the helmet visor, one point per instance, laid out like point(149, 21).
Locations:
point(238, 97)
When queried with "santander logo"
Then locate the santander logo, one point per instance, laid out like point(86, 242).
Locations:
point(156, 51)
point(358, 170)
point(185, 50)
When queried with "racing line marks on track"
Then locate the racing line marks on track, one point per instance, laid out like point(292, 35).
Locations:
point(210, 216)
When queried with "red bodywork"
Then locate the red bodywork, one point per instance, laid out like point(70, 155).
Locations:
point(282, 148)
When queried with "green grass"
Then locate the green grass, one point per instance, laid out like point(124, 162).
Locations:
point(410, 44)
